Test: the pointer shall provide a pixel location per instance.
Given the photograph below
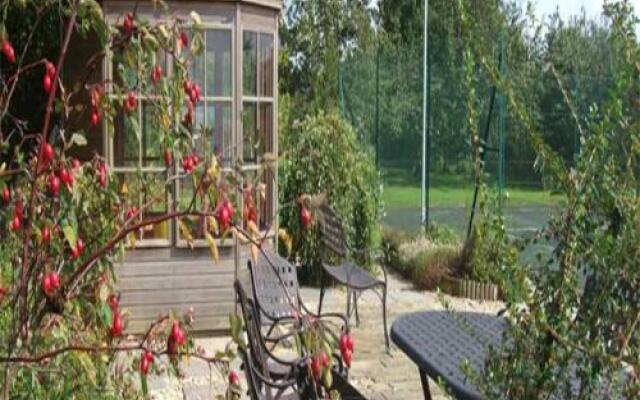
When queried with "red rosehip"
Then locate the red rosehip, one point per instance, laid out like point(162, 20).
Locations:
point(177, 334)
point(167, 158)
point(224, 217)
point(184, 39)
point(19, 209)
point(156, 74)
point(196, 159)
point(132, 212)
point(187, 164)
point(113, 302)
point(8, 52)
point(95, 118)
point(316, 367)
point(6, 195)
point(344, 343)
point(54, 185)
point(15, 224)
point(127, 24)
point(47, 153)
point(347, 356)
point(47, 287)
point(74, 253)
point(324, 359)
point(186, 85)
point(234, 378)
point(130, 102)
point(46, 235)
point(350, 342)
point(55, 280)
point(50, 69)
point(117, 324)
point(145, 362)
point(80, 245)
point(102, 175)
point(46, 84)
point(75, 163)
point(305, 217)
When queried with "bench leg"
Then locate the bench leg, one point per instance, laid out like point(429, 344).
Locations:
point(384, 316)
point(425, 385)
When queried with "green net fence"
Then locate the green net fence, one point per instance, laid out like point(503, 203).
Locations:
point(381, 96)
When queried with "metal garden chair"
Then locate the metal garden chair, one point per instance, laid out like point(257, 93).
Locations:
point(346, 272)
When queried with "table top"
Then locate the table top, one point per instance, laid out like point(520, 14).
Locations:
point(438, 342)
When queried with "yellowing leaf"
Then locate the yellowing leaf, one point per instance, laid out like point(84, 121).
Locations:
point(214, 170)
point(124, 189)
point(213, 246)
point(213, 225)
point(186, 233)
point(284, 237)
point(254, 253)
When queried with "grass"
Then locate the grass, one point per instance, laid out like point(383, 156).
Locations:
point(403, 191)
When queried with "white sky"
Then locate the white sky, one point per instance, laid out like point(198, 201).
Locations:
point(567, 8)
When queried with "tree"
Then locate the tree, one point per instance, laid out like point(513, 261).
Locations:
point(316, 39)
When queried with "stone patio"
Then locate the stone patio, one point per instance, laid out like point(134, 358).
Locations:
point(377, 374)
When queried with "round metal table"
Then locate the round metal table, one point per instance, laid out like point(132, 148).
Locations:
point(439, 342)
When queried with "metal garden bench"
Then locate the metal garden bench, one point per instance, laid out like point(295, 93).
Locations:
point(276, 292)
point(270, 377)
point(346, 272)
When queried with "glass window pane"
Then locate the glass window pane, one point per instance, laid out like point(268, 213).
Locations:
point(219, 124)
point(249, 131)
point(266, 128)
point(249, 65)
point(218, 63)
point(138, 189)
point(125, 141)
point(266, 65)
point(152, 148)
point(197, 70)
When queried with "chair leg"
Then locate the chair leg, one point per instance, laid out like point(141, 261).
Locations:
point(322, 288)
point(384, 316)
point(348, 304)
point(355, 307)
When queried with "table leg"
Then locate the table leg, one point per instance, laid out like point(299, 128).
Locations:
point(425, 385)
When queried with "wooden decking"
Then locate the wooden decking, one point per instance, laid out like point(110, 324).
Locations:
point(155, 281)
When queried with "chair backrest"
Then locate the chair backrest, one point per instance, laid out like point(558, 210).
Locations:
point(275, 286)
point(332, 234)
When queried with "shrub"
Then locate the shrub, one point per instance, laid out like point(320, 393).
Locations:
point(425, 258)
point(321, 154)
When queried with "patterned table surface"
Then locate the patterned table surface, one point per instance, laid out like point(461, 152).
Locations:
point(439, 342)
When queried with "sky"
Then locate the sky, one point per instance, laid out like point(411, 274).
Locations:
point(567, 8)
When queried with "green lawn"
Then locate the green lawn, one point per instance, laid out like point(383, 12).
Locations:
point(451, 190)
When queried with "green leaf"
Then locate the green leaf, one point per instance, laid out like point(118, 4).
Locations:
point(105, 314)
point(70, 234)
point(78, 139)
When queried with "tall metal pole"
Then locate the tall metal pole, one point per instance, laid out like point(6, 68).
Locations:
point(425, 106)
point(377, 101)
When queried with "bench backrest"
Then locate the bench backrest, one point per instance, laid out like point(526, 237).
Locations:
point(252, 326)
point(332, 233)
point(275, 287)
